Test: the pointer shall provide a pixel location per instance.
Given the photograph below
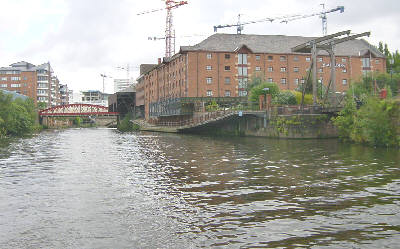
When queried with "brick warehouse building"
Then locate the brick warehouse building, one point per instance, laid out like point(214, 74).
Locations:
point(222, 64)
point(36, 82)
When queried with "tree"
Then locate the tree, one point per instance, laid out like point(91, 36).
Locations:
point(258, 90)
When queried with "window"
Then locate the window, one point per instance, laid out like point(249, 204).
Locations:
point(377, 61)
point(283, 69)
point(243, 83)
point(3, 78)
point(227, 93)
point(208, 68)
point(42, 78)
point(270, 80)
point(25, 78)
point(270, 69)
point(258, 57)
point(283, 58)
point(209, 56)
point(15, 85)
point(15, 78)
point(320, 59)
point(227, 56)
point(3, 85)
point(242, 59)
point(296, 58)
point(242, 93)
point(258, 68)
point(344, 70)
point(303, 81)
point(320, 70)
point(308, 59)
point(242, 71)
point(296, 69)
point(209, 93)
point(296, 81)
point(227, 68)
point(227, 80)
point(209, 80)
point(270, 58)
point(344, 60)
point(283, 81)
point(365, 62)
point(344, 81)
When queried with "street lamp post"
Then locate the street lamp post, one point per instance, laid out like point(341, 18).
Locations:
point(391, 61)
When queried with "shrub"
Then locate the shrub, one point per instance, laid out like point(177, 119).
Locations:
point(126, 125)
point(308, 99)
point(258, 90)
point(285, 98)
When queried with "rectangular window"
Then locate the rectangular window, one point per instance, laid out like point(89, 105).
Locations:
point(242, 59)
point(320, 70)
point(270, 58)
point(3, 85)
point(4, 78)
point(209, 80)
point(283, 69)
point(15, 85)
point(320, 59)
point(296, 69)
point(208, 68)
point(258, 57)
point(365, 62)
point(242, 83)
point(377, 61)
point(15, 78)
point(296, 58)
point(242, 93)
point(270, 80)
point(227, 80)
point(344, 60)
point(242, 71)
point(283, 81)
point(308, 59)
point(25, 78)
point(258, 68)
point(227, 68)
point(283, 58)
point(344, 81)
point(344, 70)
point(303, 81)
point(209, 56)
point(209, 93)
point(270, 69)
point(227, 56)
point(227, 93)
point(296, 81)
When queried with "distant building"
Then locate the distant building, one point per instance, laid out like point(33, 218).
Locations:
point(123, 102)
point(223, 64)
point(94, 97)
point(121, 84)
point(70, 96)
point(64, 94)
point(36, 82)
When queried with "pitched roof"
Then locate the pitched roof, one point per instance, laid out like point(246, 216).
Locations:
point(279, 44)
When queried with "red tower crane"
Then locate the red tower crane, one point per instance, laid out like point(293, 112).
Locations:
point(169, 27)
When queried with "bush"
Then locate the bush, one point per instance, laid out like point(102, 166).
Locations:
point(285, 98)
point(77, 121)
point(213, 106)
point(308, 99)
point(256, 91)
point(126, 125)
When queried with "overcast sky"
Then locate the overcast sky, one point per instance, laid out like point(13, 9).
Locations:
point(84, 38)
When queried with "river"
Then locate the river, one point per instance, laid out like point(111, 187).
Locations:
point(98, 188)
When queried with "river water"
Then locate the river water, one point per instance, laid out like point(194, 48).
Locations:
point(97, 188)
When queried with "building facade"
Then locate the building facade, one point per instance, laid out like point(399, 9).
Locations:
point(223, 64)
point(93, 97)
point(36, 82)
point(121, 84)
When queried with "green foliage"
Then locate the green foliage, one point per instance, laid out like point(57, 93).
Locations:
point(213, 106)
point(77, 121)
point(126, 125)
point(375, 123)
point(41, 105)
point(17, 117)
point(285, 98)
point(308, 99)
point(258, 90)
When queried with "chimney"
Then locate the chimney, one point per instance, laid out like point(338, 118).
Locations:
point(159, 61)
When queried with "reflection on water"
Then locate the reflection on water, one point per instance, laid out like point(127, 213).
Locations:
point(97, 188)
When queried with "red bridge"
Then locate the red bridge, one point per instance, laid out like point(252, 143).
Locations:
point(76, 110)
